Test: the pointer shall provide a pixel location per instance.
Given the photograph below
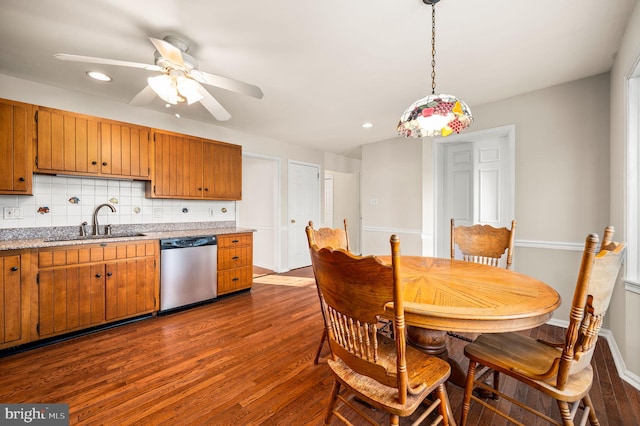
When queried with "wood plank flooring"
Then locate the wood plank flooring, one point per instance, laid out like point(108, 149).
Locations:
point(246, 359)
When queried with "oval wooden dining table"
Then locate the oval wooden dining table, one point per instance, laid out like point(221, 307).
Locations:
point(442, 295)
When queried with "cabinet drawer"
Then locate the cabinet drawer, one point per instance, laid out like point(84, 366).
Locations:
point(235, 240)
point(234, 257)
point(235, 279)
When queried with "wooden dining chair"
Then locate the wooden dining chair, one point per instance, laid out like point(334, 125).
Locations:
point(382, 372)
point(561, 370)
point(483, 243)
point(336, 238)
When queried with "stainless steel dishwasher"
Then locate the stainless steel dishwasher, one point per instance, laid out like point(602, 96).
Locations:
point(188, 271)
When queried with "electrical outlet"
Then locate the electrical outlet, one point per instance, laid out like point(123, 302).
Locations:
point(12, 213)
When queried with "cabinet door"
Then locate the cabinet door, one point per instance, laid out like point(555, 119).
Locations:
point(177, 166)
point(222, 171)
point(71, 298)
point(67, 142)
point(124, 150)
point(10, 300)
point(15, 148)
point(130, 288)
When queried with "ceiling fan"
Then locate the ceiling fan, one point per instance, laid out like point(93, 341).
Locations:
point(179, 81)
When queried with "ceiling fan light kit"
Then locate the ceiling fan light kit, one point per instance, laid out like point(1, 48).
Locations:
point(434, 115)
point(180, 81)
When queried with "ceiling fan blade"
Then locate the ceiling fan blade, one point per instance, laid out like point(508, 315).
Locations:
point(143, 97)
point(93, 60)
point(168, 51)
point(213, 106)
point(227, 83)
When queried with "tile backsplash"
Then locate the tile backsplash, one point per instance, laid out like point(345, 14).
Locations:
point(69, 201)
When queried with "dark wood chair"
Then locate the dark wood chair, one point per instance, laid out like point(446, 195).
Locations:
point(336, 238)
point(561, 370)
point(483, 243)
point(368, 366)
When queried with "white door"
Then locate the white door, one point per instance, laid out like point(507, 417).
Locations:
point(304, 205)
point(478, 175)
point(259, 208)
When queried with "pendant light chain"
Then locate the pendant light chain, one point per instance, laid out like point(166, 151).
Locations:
point(435, 114)
point(433, 48)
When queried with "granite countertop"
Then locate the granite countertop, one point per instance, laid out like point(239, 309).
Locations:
point(55, 239)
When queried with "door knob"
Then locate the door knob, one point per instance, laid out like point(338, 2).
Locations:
point(293, 221)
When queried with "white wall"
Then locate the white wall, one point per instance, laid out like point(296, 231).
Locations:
point(624, 314)
point(391, 195)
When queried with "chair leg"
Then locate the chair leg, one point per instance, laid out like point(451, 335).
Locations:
point(593, 419)
point(445, 405)
point(466, 402)
point(496, 384)
point(332, 402)
point(324, 337)
point(565, 413)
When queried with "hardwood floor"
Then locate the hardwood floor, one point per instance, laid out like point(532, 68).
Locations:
point(246, 359)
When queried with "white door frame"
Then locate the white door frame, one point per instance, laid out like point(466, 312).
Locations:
point(508, 131)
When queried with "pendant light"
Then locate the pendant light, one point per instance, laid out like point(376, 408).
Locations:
point(434, 115)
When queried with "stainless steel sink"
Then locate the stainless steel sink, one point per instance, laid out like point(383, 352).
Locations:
point(91, 237)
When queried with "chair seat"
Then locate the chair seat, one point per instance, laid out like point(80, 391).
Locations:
point(422, 368)
point(524, 358)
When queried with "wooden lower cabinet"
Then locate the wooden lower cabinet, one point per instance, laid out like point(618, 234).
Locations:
point(235, 262)
point(14, 298)
point(89, 285)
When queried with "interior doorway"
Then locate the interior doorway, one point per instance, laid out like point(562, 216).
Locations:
point(342, 201)
point(260, 206)
point(474, 182)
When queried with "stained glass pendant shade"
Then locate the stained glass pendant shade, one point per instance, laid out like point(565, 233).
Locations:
point(434, 115)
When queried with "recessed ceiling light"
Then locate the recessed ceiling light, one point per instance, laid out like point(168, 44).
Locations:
point(367, 125)
point(98, 76)
point(177, 115)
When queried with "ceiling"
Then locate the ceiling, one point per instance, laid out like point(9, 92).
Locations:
point(325, 67)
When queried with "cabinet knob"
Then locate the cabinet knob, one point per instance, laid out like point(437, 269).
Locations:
point(235, 279)
point(98, 275)
point(104, 163)
point(109, 274)
point(199, 189)
point(206, 189)
point(21, 179)
point(235, 257)
point(15, 268)
point(94, 163)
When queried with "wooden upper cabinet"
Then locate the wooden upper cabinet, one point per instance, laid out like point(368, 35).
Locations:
point(76, 144)
point(16, 133)
point(188, 167)
point(125, 150)
point(222, 171)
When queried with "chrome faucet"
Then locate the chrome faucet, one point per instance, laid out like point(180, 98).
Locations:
point(96, 230)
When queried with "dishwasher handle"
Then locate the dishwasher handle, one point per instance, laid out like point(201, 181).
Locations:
point(177, 243)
